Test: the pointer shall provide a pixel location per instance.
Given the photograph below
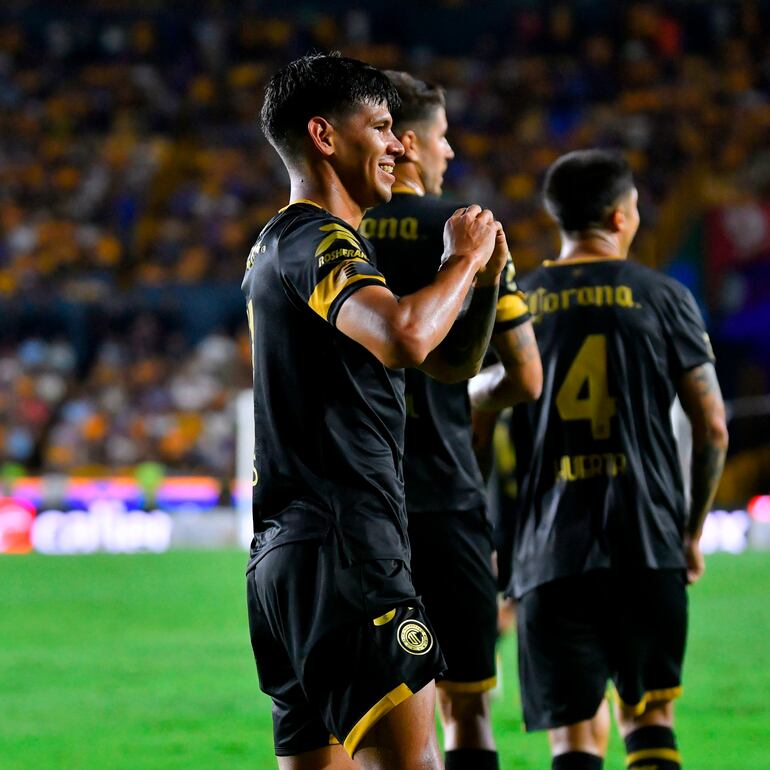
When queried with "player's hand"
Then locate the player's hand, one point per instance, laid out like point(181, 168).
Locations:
point(470, 233)
point(489, 275)
point(696, 565)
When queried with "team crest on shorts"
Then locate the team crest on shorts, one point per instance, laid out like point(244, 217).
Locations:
point(414, 637)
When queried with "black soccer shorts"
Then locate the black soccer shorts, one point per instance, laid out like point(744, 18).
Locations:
point(336, 649)
point(577, 633)
point(452, 572)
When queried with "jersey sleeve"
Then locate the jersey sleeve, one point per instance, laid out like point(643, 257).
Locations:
point(512, 308)
point(323, 262)
point(688, 342)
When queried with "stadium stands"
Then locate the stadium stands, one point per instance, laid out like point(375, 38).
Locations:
point(134, 178)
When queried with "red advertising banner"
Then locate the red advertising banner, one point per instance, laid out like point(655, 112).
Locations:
point(16, 518)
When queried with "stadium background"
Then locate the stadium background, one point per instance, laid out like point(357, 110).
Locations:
point(133, 181)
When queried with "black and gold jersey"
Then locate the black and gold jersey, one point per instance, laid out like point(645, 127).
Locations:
point(329, 417)
point(440, 469)
point(599, 480)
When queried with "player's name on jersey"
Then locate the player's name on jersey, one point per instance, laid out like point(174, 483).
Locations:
point(579, 467)
point(541, 301)
point(391, 227)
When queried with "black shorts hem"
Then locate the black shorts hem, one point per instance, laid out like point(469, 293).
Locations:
point(651, 696)
point(291, 751)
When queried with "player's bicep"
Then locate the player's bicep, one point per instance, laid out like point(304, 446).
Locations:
point(369, 316)
point(517, 348)
point(698, 390)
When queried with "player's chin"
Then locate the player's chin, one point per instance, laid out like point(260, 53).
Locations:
point(382, 192)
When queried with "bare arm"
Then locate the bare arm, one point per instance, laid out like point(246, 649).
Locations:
point(518, 377)
point(701, 399)
point(460, 355)
point(402, 332)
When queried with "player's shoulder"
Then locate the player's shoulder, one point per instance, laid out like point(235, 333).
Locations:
point(656, 283)
point(305, 227)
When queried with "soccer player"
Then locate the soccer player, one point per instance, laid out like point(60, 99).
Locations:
point(340, 638)
point(445, 498)
point(604, 544)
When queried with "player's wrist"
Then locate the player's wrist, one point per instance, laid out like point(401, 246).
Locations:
point(469, 259)
point(487, 280)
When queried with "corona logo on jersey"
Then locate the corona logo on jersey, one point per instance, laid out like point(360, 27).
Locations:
point(414, 637)
point(390, 227)
point(542, 301)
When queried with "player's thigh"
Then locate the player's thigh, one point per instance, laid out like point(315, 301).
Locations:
point(648, 643)
point(452, 571)
point(563, 659)
point(327, 758)
point(405, 738)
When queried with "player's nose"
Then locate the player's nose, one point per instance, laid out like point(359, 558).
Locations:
point(395, 148)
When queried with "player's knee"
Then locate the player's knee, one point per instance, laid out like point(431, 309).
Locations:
point(463, 707)
point(652, 746)
point(658, 713)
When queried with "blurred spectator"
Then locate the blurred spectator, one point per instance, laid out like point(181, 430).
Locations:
point(131, 161)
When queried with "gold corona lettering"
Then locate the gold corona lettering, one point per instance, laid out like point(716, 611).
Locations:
point(580, 467)
point(625, 296)
point(389, 227)
point(541, 301)
point(408, 229)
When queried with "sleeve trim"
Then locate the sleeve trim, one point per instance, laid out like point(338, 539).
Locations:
point(511, 307)
point(351, 288)
point(504, 326)
point(330, 288)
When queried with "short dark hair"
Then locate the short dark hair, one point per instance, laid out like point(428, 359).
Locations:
point(329, 85)
point(580, 188)
point(419, 100)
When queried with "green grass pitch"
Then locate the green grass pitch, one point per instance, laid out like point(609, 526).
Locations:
point(143, 663)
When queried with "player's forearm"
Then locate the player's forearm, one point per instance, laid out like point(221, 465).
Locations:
point(491, 390)
point(426, 316)
point(708, 459)
point(702, 401)
point(467, 342)
point(517, 378)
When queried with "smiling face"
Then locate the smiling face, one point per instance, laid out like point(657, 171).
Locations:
point(365, 152)
point(433, 151)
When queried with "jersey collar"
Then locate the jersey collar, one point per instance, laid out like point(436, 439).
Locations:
point(578, 261)
point(301, 200)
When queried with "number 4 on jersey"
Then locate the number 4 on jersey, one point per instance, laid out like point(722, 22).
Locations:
point(584, 394)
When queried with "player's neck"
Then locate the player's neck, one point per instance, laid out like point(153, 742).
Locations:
point(408, 179)
point(327, 191)
point(597, 245)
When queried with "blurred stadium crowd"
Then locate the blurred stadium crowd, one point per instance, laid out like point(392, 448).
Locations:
point(134, 179)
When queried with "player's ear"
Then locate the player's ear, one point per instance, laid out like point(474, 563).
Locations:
point(321, 134)
point(410, 142)
point(616, 220)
